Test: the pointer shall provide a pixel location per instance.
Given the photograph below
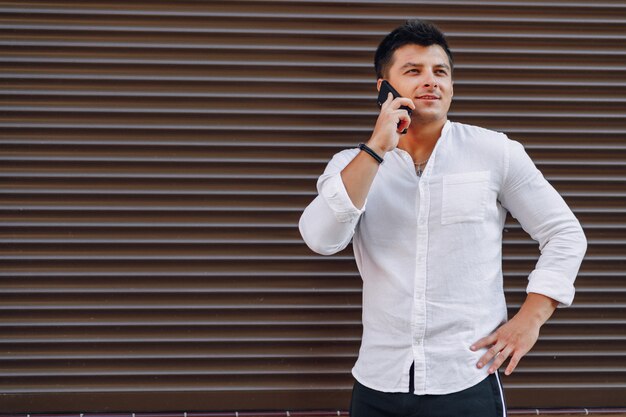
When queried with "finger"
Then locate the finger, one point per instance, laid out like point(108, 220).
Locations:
point(404, 122)
point(512, 364)
point(499, 359)
point(404, 101)
point(388, 103)
point(485, 341)
point(402, 115)
point(389, 98)
point(489, 355)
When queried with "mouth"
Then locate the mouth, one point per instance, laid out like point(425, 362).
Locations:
point(428, 97)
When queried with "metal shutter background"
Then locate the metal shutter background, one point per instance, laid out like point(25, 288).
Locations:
point(156, 156)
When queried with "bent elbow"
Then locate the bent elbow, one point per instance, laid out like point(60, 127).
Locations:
point(582, 242)
point(315, 241)
point(575, 241)
point(324, 250)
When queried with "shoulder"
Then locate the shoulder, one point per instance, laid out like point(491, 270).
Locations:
point(486, 142)
point(477, 134)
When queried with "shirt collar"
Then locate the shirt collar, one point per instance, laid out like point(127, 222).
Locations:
point(444, 133)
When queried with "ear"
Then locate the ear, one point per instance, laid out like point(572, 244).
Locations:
point(378, 83)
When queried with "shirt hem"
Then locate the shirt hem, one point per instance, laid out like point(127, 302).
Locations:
point(433, 391)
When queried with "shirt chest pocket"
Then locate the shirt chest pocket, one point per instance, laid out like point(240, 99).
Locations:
point(464, 197)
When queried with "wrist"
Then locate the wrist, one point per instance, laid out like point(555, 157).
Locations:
point(531, 317)
point(538, 308)
point(380, 150)
point(364, 148)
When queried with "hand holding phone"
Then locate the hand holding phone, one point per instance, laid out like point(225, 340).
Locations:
point(385, 89)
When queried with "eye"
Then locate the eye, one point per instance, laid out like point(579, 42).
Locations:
point(411, 70)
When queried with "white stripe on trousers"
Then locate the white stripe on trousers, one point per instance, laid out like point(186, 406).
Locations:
point(501, 394)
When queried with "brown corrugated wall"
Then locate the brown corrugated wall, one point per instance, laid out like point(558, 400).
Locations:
point(156, 156)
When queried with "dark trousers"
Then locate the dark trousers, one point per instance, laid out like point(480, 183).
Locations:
point(485, 399)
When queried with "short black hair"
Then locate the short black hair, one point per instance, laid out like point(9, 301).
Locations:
point(413, 31)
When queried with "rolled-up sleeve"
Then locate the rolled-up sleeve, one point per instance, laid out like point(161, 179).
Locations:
point(328, 223)
point(545, 216)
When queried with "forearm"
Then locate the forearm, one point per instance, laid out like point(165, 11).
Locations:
point(537, 309)
point(359, 175)
point(557, 267)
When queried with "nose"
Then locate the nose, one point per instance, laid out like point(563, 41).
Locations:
point(430, 81)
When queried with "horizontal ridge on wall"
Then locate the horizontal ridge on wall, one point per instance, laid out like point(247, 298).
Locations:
point(155, 159)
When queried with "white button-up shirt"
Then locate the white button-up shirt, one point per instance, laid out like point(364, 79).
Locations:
point(429, 250)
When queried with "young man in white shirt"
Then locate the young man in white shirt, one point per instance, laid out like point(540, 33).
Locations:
point(426, 226)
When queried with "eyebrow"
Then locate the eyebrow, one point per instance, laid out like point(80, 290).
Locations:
point(413, 64)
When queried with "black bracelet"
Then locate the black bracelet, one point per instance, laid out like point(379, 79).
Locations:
point(369, 150)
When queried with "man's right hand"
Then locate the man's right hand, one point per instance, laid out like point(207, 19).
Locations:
point(387, 133)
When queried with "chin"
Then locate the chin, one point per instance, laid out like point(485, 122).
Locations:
point(427, 117)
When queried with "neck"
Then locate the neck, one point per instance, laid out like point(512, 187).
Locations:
point(420, 139)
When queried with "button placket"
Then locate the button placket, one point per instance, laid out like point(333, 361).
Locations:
point(419, 299)
point(421, 274)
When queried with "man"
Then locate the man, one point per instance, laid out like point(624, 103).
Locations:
point(426, 226)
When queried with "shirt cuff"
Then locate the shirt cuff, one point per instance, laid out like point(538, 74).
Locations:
point(551, 284)
point(337, 198)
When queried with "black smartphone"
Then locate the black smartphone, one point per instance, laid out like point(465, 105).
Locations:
point(385, 89)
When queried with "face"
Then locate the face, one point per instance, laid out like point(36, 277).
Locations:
point(423, 74)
